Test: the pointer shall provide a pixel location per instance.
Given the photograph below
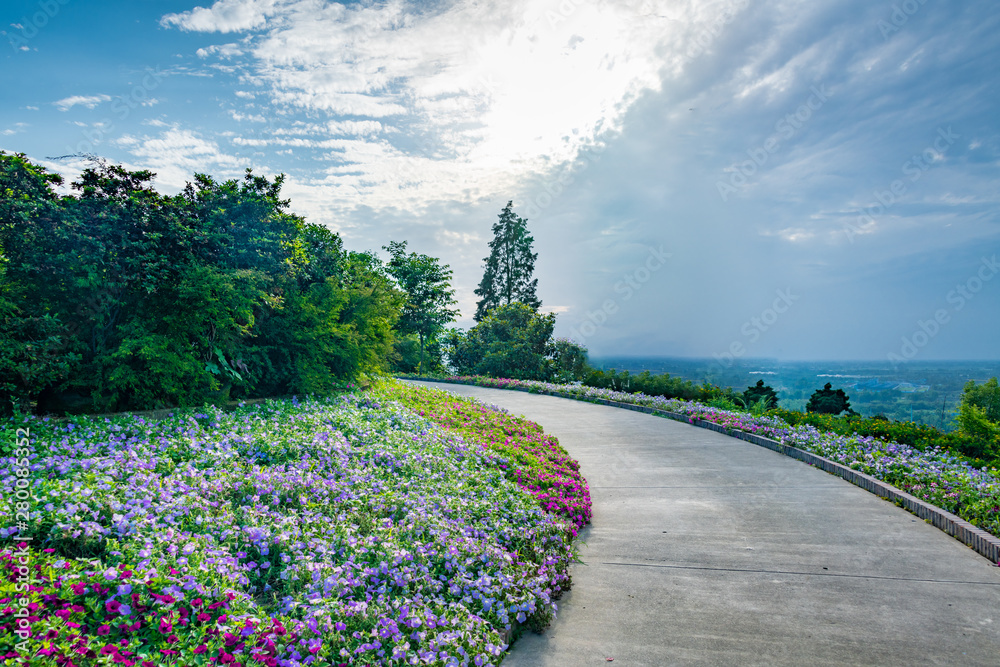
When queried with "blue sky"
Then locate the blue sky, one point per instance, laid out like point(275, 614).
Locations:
point(770, 178)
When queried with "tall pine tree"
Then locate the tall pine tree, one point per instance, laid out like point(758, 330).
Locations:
point(507, 278)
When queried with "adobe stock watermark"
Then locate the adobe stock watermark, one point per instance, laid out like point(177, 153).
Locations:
point(913, 169)
point(23, 570)
point(707, 36)
point(963, 293)
point(899, 17)
point(784, 129)
point(627, 288)
point(29, 26)
point(755, 326)
point(122, 106)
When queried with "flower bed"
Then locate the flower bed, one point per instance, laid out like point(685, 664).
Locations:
point(345, 531)
point(534, 460)
point(932, 475)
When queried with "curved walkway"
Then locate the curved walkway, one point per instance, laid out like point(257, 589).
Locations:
point(707, 550)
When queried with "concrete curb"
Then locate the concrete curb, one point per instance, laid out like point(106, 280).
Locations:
point(977, 539)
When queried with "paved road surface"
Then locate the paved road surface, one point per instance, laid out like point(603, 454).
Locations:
point(707, 550)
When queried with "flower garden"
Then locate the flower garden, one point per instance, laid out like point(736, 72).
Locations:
point(536, 461)
point(933, 475)
point(341, 531)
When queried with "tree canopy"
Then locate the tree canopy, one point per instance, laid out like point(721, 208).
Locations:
point(511, 341)
point(979, 414)
point(760, 391)
point(426, 284)
point(118, 297)
point(828, 401)
point(508, 278)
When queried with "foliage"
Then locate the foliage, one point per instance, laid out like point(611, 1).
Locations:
point(512, 340)
point(753, 395)
point(975, 424)
point(918, 436)
point(829, 402)
point(723, 403)
point(655, 385)
point(507, 278)
point(985, 396)
point(979, 415)
point(427, 287)
point(119, 297)
point(347, 530)
point(406, 357)
point(569, 360)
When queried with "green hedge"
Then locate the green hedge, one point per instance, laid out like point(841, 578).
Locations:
point(916, 435)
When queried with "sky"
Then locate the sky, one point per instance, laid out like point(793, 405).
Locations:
point(788, 179)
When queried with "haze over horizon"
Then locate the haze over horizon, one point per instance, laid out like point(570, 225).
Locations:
point(776, 179)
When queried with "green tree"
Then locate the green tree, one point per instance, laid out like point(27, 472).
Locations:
point(511, 341)
point(507, 278)
point(427, 287)
point(985, 396)
point(760, 391)
point(569, 360)
point(119, 297)
point(35, 350)
point(979, 415)
point(830, 402)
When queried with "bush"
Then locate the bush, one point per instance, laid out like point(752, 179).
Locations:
point(656, 385)
point(830, 402)
point(919, 436)
point(753, 395)
point(569, 360)
point(120, 297)
point(511, 341)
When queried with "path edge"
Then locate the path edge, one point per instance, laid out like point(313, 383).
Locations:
point(975, 538)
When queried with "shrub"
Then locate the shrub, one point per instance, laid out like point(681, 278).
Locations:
point(830, 402)
point(752, 395)
point(655, 385)
point(919, 436)
point(510, 341)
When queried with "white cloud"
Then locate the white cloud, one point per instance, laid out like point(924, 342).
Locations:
point(17, 129)
point(176, 155)
point(224, 16)
point(480, 94)
point(223, 50)
point(88, 101)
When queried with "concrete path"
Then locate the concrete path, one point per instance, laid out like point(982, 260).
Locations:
point(707, 550)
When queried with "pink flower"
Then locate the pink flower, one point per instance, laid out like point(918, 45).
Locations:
point(104, 630)
point(166, 627)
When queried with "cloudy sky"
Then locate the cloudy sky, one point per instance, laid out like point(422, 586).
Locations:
point(762, 178)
